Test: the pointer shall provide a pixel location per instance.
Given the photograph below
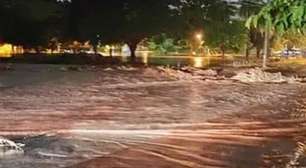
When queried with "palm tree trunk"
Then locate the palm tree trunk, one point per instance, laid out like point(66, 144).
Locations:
point(258, 51)
point(247, 52)
point(266, 46)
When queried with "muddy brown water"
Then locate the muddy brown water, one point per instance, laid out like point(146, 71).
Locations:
point(138, 118)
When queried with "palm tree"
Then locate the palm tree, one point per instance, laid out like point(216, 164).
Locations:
point(255, 37)
point(279, 16)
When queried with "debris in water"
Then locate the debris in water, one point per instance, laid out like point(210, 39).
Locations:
point(52, 155)
point(125, 68)
point(177, 74)
point(199, 72)
point(190, 73)
point(108, 69)
point(258, 75)
point(8, 147)
point(299, 152)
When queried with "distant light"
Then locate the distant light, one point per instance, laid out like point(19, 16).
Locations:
point(125, 50)
point(145, 53)
point(6, 50)
point(145, 58)
point(199, 36)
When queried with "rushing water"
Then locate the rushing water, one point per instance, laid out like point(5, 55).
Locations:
point(127, 117)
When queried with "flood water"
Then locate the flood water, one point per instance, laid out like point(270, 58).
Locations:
point(137, 117)
point(180, 61)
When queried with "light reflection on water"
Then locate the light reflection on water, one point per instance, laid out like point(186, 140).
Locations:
point(199, 62)
point(178, 61)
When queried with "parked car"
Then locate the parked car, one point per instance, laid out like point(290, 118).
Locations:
point(291, 53)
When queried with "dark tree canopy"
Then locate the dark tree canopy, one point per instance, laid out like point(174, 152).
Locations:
point(215, 19)
point(120, 21)
point(33, 23)
point(281, 15)
point(28, 22)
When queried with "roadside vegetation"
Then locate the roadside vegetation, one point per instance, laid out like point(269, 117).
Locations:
point(194, 27)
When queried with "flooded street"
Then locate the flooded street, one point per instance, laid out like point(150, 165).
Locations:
point(137, 117)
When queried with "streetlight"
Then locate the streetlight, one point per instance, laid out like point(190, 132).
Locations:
point(199, 36)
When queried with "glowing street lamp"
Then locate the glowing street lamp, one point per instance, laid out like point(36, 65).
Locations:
point(199, 36)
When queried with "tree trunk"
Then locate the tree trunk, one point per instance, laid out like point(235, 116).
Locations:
point(222, 47)
point(133, 47)
point(111, 52)
point(37, 50)
point(266, 46)
point(95, 48)
point(258, 50)
point(247, 52)
point(223, 53)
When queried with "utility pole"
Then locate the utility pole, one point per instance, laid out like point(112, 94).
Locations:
point(266, 43)
point(266, 46)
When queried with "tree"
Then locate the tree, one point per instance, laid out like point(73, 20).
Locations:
point(255, 38)
point(162, 44)
point(222, 30)
point(28, 22)
point(231, 36)
point(215, 19)
point(121, 21)
point(279, 16)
